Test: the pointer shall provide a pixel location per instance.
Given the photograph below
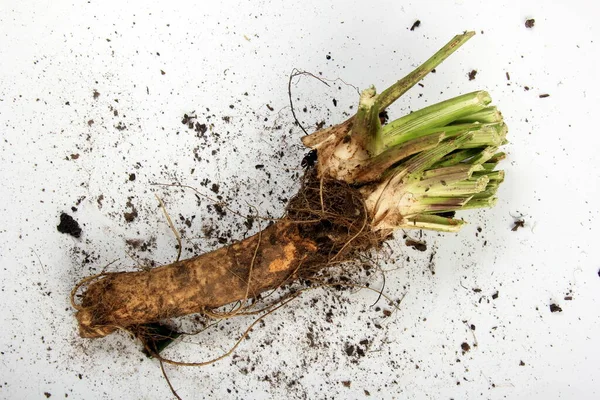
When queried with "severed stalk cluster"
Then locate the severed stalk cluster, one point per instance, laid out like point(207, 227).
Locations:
point(416, 171)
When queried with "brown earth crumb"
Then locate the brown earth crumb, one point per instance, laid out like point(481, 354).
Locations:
point(162, 72)
point(519, 223)
point(134, 243)
point(346, 383)
point(367, 393)
point(69, 226)
point(472, 74)
point(99, 201)
point(465, 347)
point(130, 216)
point(48, 395)
point(74, 156)
point(495, 295)
point(415, 244)
point(529, 23)
point(415, 25)
point(555, 308)
point(384, 117)
point(90, 122)
point(521, 363)
point(96, 94)
point(270, 108)
point(568, 298)
point(543, 96)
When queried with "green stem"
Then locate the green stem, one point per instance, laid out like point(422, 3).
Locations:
point(366, 131)
point(434, 116)
point(376, 166)
point(485, 116)
point(392, 93)
point(435, 222)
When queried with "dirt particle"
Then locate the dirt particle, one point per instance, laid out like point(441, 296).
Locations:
point(48, 395)
point(555, 308)
point(472, 74)
point(259, 166)
point(415, 25)
point(387, 313)
point(350, 350)
point(215, 188)
point(519, 223)
point(346, 383)
point(568, 298)
point(90, 122)
point(69, 226)
point(530, 23)
point(367, 393)
point(270, 108)
point(384, 117)
point(465, 347)
point(162, 72)
point(99, 201)
point(132, 177)
point(543, 96)
point(415, 244)
point(521, 363)
point(495, 295)
point(74, 156)
point(130, 216)
point(134, 243)
point(507, 76)
point(96, 94)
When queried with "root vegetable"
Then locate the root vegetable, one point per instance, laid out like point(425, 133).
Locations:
point(369, 180)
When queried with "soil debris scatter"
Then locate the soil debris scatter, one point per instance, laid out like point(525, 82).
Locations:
point(69, 226)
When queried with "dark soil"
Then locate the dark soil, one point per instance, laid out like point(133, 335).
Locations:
point(555, 308)
point(472, 74)
point(130, 216)
point(415, 244)
point(69, 226)
point(543, 96)
point(415, 25)
point(529, 23)
point(519, 223)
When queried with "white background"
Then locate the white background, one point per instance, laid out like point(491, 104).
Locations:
point(212, 53)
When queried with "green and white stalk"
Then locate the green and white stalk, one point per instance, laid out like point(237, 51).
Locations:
point(416, 169)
